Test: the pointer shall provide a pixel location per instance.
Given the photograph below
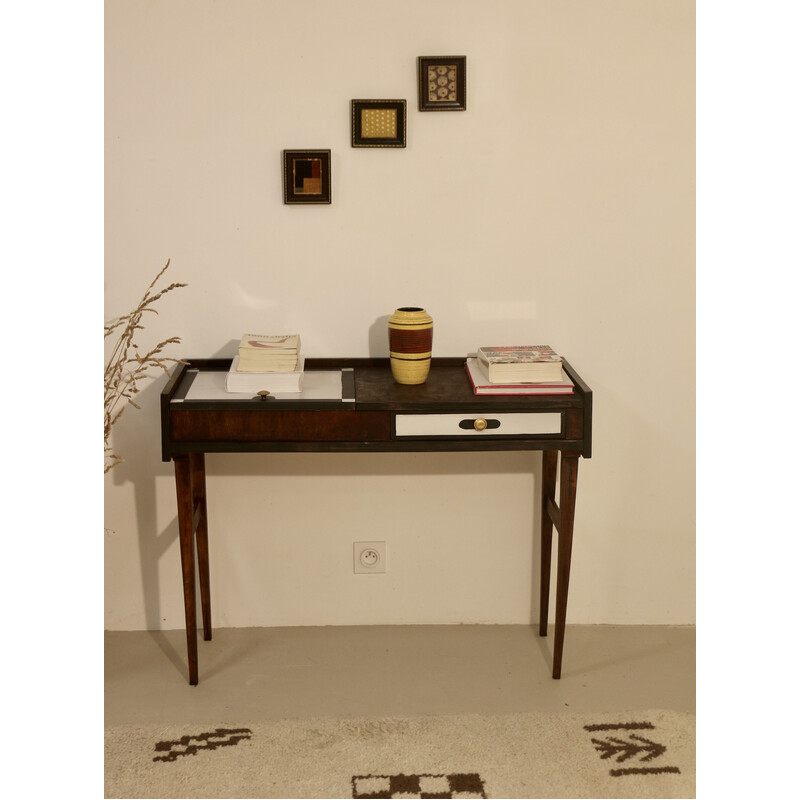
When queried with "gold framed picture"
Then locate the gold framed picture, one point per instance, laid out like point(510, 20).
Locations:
point(378, 123)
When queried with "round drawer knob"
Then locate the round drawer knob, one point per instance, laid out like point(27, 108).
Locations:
point(480, 424)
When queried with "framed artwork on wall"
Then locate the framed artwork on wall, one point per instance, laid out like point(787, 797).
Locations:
point(378, 123)
point(306, 176)
point(442, 83)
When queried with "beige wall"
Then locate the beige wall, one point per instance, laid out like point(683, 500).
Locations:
point(559, 208)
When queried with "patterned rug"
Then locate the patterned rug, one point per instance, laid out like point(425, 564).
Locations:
point(639, 754)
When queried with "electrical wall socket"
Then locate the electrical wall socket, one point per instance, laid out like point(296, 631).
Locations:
point(369, 557)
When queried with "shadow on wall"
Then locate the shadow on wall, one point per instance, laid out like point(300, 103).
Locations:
point(137, 439)
point(379, 338)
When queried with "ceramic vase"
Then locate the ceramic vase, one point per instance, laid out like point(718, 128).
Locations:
point(410, 344)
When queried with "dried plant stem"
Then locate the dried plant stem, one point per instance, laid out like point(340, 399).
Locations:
point(126, 366)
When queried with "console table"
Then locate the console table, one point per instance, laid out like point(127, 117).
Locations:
point(354, 405)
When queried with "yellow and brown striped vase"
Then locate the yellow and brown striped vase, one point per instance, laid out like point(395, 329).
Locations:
point(410, 344)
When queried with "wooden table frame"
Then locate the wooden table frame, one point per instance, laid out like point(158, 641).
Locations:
point(365, 419)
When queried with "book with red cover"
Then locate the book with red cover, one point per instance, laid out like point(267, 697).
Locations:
point(480, 386)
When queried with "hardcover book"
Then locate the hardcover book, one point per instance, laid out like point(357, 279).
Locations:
point(482, 386)
point(269, 380)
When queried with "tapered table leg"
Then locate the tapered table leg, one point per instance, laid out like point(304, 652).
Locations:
point(549, 464)
point(183, 483)
point(569, 484)
point(198, 470)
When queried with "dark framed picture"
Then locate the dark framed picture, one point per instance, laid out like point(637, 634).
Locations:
point(442, 83)
point(378, 123)
point(306, 176)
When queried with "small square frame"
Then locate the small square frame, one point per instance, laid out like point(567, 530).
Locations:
point(450, 93)
point(306, 177)
point(363, 136)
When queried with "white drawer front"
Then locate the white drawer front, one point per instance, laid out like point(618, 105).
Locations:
point(463, 424)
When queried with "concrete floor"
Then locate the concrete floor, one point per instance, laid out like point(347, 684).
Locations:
point(262, 674)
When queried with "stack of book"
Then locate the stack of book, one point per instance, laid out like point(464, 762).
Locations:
point(524, 369)
point(259, 353)
point(266, 363)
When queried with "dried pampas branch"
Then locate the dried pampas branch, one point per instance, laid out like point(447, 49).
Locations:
point(126, 366)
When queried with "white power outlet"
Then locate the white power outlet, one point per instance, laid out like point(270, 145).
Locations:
point(369, 557)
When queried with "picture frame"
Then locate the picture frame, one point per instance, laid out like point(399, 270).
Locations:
point(378, 123)
point(306, 177)
point(442, 83)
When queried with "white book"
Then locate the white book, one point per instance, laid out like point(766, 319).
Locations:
point(272, 382)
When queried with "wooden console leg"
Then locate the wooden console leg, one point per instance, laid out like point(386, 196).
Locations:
point(183, 484)
point(198, 469)
point(569, 484)
point(549, 464)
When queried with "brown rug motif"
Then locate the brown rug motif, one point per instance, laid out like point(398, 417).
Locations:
point(623, 746)
point(191, 745)
point(460, 784)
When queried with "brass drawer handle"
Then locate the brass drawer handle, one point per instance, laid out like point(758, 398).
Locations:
point(479, 424)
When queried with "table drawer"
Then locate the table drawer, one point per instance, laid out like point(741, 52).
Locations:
point(265, 425)
point(488, 426)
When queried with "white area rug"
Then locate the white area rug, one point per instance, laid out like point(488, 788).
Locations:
point(638, 754)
